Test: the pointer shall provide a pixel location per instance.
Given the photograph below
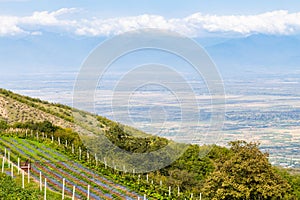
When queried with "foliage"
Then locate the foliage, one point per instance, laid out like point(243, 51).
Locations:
point(245, 174)
point(293, 179)
point(122, 139)
point(9, 190)
point(3, 125)
point(45, 126)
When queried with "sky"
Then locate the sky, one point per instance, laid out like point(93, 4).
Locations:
point(60, 34)
point(194, 18)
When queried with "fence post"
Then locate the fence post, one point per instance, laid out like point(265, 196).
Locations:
point(73, 196)
point(18, 165)
point(23, 184)
point(28, 173)
point(96, 158)
point(147, 178)
point(12, 170)
point(88, 193)
point(63, 189)
point(45, 192)
point(41, 181)
point(79, 153)
point(3, 163)
point(8, 159)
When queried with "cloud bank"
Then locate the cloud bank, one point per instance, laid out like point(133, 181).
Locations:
point(67, 20)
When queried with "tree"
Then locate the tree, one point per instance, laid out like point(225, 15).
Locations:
point(245, 174)
point(3, 125)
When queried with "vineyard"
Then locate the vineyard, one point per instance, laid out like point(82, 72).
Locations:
point(56, 166)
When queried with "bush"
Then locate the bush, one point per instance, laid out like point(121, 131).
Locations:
point(9, 190)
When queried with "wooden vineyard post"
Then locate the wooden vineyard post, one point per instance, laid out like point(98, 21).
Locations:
point(88, 192)
point(37, 136)
point(8, 159)
point(52, 138)
point(105, 163)
point(73, 196)
point(160, 183)
point(200, 196)
point(43, 135)
point(12, 170)
point(72, 148)
point(192, 195)
point(3, 163)
point(18, 165)
point(59, 140)
point(23, 184)
point(63, 189)
point(28, 173)
point(66, 143)
point(145, 197)
point(178, 191)
point(79, 153)
point(41, 181)
point(147, 178)
point(169, 191)
point(45, 191)
point(96, 159)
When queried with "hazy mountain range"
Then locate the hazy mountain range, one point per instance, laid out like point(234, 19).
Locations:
point(56, 52)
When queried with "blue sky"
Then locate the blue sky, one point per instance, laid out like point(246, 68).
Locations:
point(167, 8)
point(37, 31)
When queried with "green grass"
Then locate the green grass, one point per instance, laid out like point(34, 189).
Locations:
point(31, 190)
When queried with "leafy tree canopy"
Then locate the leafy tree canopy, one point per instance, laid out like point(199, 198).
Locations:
point(245, 173)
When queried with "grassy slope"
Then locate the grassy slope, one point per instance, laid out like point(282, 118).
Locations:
point(31, 190)
point(17, 108)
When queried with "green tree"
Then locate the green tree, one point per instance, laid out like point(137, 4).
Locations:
point(245, 174)
point(3, 125)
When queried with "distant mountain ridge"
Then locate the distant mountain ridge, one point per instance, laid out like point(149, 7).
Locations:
point(257, 52)
point(54, 52)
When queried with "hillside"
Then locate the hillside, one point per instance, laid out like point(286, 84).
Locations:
point(50, 136)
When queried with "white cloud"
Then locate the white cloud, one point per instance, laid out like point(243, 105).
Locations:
point(276, 22)
point(8, 26)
